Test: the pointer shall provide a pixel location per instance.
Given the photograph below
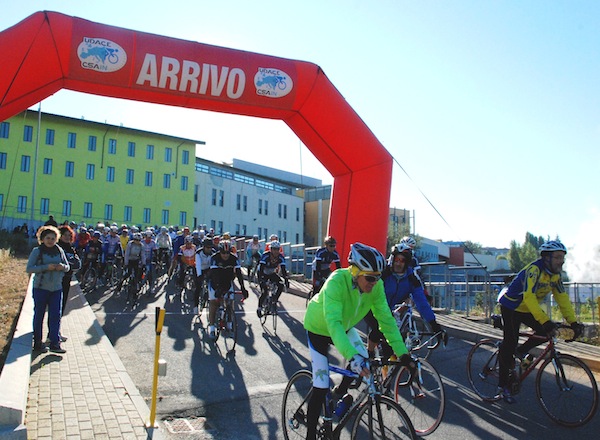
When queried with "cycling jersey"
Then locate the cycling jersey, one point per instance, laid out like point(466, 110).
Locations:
point(528, 290)
point(83, 238)
point(93, 250)
point(163, 240)
point(134, 252)
point(322, 263)
point(223, 271)
point(148, 248)
point(202, 261)
point(188, 255)
point(398, 287)
point(268, 266)
point(339, 306)
point(111, 247)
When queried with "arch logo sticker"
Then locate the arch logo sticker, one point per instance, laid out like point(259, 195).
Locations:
point(272, 83)
point(101, 55)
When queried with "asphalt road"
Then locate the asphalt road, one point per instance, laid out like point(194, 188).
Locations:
point(210, 394)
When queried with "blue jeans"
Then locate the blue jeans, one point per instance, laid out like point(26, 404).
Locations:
point(52, 300)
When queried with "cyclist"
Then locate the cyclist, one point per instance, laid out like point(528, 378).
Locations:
point(400, 281)
point(346, 297)
point(224, 267)
point(149, 248)
point(92, 253)
point(178, 241)
point(187, 258)
point(321, 265)
point(270, 264)
point(203, 258)
point(111, 249)
point(272, 238)
point(134, 259)
point(253, 252)
point(227, 237)
point(83, 238)
point(520, 303)
point(165, 245)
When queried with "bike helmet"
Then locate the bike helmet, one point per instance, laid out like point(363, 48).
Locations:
point(329, 240)
point(188, 239)
point(275, 245)
point(553, 245)
point(224, 246)
point(97, 234)
point(255, 237)
point(227, 236)
point(411, 242)
point(403, 249)
point(163, 229)
point(207, 242)
point(148, 233)
point(273, 237)
point(366, 258)
point(137, 236)
point(82, 229)
point(113, 229)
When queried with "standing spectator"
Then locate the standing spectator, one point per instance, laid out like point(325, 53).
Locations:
point(48, 264)
point(51, 222)
point(67, 237)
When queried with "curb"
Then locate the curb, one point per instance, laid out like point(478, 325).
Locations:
point(14, 380)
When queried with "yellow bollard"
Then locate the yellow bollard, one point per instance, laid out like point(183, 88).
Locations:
point(160, 318)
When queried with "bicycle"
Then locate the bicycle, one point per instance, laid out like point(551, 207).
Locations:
point(253, 270)
point(113, 272)
point(418, 336)
point(189, 279)
point(315, 289)
point(89, 277)
point(269, 305)
point(422, 397)
point(226, 325)
point(163, 261)
point(565, 386)
point(131, 284)
point(370, 415)
point(203, 296)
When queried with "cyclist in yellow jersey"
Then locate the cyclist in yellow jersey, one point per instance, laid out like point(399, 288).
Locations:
point(520, 303)
point(344, 300)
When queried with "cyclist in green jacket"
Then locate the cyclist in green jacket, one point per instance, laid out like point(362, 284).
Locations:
point(344, 300)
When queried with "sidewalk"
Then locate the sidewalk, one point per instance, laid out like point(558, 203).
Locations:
point(83, 394)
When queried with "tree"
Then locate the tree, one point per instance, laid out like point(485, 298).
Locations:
point(471, 247)
point(394, 237)
point(514, 257)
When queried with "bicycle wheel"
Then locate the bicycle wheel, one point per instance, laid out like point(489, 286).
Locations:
point(483, 369)
point(424, 400)
point(229, 329)
point(382, 419)
point(567, 390)
point(294, 407)
point(274, 313)
point(415, 335)
point(203, 297)
point(132, 291)
point(89, 280)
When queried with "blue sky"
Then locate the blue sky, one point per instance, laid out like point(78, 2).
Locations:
point(491, 107)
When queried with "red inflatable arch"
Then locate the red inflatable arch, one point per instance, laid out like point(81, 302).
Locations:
point(49, 51)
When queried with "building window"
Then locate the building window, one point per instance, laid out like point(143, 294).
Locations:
point(131, 149)
point(237, 229)
point(110, 174)
point(148, 179)
point(3, 157)
point(146, 215)
point(45, 206)
point(87, 209)
point(49, 136)
point(260, 209)
point(108, 212)
point(22, 204)
point(127, 214)
point(185, 157)
point(167, 181)
point(184, 183)
point(279, 210)
point(47, 166)
point(71, 140)
point(69, 169)
point(168, 154)
point(112, 146)
point(259, 232)
point(4, 130)
point(129, 176)
point(297, 214)
point(213, 224)
point(27, 133)
point(164, 217)
point(150, 152)
point(221, 197)
point(183, 218)
point(66, 211)
point(90, 171)
point(245, 199)
point(266, 207)
point(244, 230)
point(238, 202)
point(1, 201)
point(213, 200)
point(92, 143)
point(25, 163)
point(220, 231)
point(285, 211)
point(285, 236)
point(195, 193)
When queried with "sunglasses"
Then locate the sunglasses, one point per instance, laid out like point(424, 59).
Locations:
point(399, 259)
point(372, 278)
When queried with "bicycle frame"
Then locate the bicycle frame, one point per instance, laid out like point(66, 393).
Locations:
point(404, 317)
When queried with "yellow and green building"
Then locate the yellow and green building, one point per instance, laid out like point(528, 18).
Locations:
point(83, 171)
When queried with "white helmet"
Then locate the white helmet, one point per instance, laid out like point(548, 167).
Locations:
point(553, 245)
point(409, 241)
point(366, 258)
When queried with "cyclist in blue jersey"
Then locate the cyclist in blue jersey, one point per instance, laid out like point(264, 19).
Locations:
point(271, 267)
point(520, 303)
point(324, 258)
